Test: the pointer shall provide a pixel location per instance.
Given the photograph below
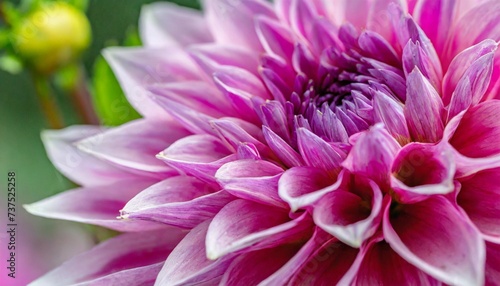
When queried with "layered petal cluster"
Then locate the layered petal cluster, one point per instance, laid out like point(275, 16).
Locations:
point(295, 143)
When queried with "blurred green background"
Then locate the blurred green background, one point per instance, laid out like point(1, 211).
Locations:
point(21, 149)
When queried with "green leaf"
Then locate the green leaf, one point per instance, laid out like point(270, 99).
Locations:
point(109, 100)
point(11, 14)
point(10, 63)
point(4, 38)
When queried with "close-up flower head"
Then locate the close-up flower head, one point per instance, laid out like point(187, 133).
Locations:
point(293, 142)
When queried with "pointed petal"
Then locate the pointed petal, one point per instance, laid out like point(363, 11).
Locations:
point(423, 109)
point(372, 155)
point(422, 170)
point(128, 259)
point(391, 114)
point(254, 180)
point(258, 226)
point(80, 167)
point(95, 205)
point(197, 155)
point(435, 237)
point(187, 264)
point(137, 68)
point(125, 145)
point(479, 197)
point(478, 133)
point(302, 186)
point(180, 201)
point(159, 26)
point(285, 152)
point(275, 38)
point(350, 213)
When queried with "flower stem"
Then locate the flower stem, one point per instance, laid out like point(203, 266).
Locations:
point(81, 99)
point(47, 102)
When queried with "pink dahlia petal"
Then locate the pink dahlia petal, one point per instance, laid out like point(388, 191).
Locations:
point(351, 213)
point(254, 180)
point(125, 146)
point(95, 205)
point(436, 238)
point(302, 186)
point(258, 226)
point(129, 259)
point(390, 112)
point(423, 109)
point(372, 271)
point(232, 22)
point(253, 267)
point(138, 68)
point(478, 133)
point(197, 155)
point(422, 170)
point(80, 167)
point(372, 155)
point(479, 196)
point(179, 201)
point(158, 27)
point(492, 263)
point(282, 149)
point(276, 39)
point(187, 264)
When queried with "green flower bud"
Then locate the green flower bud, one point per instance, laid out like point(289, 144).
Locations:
point(52, 36)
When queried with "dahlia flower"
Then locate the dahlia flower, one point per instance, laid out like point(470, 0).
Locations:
point(297, 142)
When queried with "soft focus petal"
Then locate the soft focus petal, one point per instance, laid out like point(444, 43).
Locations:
point(436, 238)
point(129, 259)
point(159, 25)
point(492, 263)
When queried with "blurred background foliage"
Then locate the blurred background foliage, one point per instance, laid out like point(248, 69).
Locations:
point(22, 82)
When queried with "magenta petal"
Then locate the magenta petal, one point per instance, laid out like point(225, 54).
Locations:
point(302, 186)
point(435, 237)
point(197, 155)
point(479, 196)
point(253, 267)
point(258, 226)
point(253, 180)
point(350, 213)
point(158, 25)
point(275, 38)
point(179, 201)
point(391, 114)
point(422, 170)
point(423, 109)
point(372, 155)
point(478, 133)
point(80, 167)
point(125, 146)
point(187, 264)
point(283, 150)
point(378, 266)
point(95, 205)
point(138, 68)
point(232, 22)
point(128, 259)
point(492, 263)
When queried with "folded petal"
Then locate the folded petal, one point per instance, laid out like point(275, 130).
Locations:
point(423, 109)
point(302, 186)
point(95, 205)
point(479, 197)
point(197, 155)
point(391, 113)
point(422, 170)
point(128, 259)
point(283, 150)
point(372, 155)
point(258, 226)
point(187, 264)
point(179, 201)
point(138, 68)
point(159, 26)
point(233, 22)
point(254, 180)
point(125, 146)
point(435, 237)
point(352, 212)
point(378, 266)
point(80, 167)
